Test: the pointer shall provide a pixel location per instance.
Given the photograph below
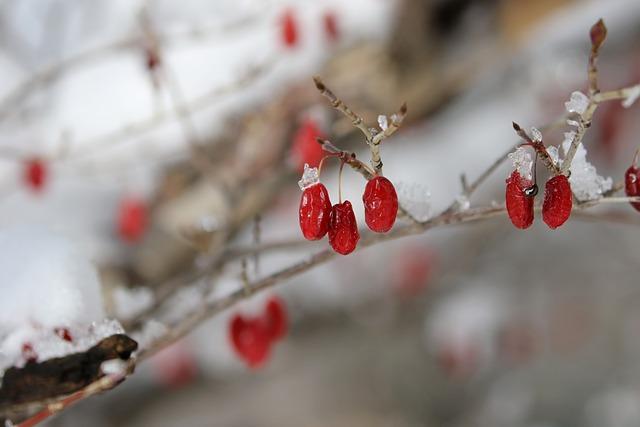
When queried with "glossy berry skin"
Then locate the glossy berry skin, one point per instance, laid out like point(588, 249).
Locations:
point(632, 184)
point(557, 204)
point(250, 339)
point(132, 220)
point(289, 29)
point(305, 147)
point(343, 229)
point(519, 206)
point(275, 318)
point(330, 24)
point(315, 212)
point(380, 204)
point(35, 173)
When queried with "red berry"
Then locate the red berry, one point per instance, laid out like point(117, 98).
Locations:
point(35, 173)
point(289, 28)
point(28, 353)
point(175, 366)
point(330, 23)
point(519, 206)
point(632, 184)
point(380, 204)
point(275, 317)
point(250, 339)
point(315, 212)
point(132, 219)
point(305, 147)
point(63, 333)
point(557, 204)
point(152, 59)
point(343, 229)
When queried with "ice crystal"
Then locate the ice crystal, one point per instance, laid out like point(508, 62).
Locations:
point(522, 162)
point(634, 94)
point(415, 199)
point(578, 103)
point(310, 177)
point(383, 122)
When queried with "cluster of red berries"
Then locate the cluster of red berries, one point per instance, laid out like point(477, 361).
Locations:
point(318, 217)
point(556, 207)
point(252, 337)
point(290, 33)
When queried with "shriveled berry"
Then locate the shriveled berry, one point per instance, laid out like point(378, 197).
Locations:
point(305, 147)
point(632, 184)
point(557, 204)
point(330, 23)
point(28, 353)
point(519, 205)
point(315, 212)
point(132, 219)
point(250, 339)
point(35, 173)
point(275, 317)
point(289, 28)
point(380, 204)
point(343, 229)
point(63, 333)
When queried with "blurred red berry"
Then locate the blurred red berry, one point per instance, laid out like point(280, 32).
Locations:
point(275, 317)
point(35, 173)
point(413, 271)
point(632, 184)
point(519, 205)
point(343, 229)
point(305, 147)
point(380, 204)
point(289, 28)
point(250, 339)
point(330, 24)
point(175, 366)
point(63, 333)
point(315, 212)
point(132, 219)
point(558, 202)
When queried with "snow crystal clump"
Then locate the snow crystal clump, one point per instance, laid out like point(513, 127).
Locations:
point(310, 177)
point(578, 103)
point(521, 160)
point(415, 199)
point(634, 94)
point(535, 134)
point(585, 181)
point(383, 122)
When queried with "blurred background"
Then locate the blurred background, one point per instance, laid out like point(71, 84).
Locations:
point(159, 134)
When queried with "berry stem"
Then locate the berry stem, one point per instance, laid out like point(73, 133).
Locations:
point(340, 182)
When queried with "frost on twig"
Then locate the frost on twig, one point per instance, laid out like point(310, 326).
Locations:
point(415, 199)
point(633, 93)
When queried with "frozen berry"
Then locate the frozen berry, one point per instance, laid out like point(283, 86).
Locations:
point(380, 204)
point(64, 334)
point(519, 205)
point(250, 339)
point(275, 317)
point(315, 211)
point(557, 204)
point(305, 147)
point(632, 184)
point(289, 28)
point(35, 173)
point(343, 229)
point(132, 219)
point(330, 23)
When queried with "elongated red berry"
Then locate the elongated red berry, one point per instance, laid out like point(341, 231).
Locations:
point(557, 204)
point(632, 184)
point(289, 28)
point(250, 340)
point(380, 204)
point(35, 173)
point(132, 219)
point(275, 317)
point(305, 147)
point(330, 23)
point(519, 206)
point(343, 229)
point(315, 211)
